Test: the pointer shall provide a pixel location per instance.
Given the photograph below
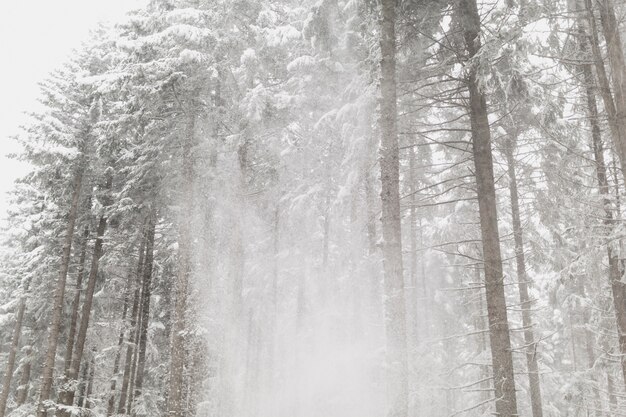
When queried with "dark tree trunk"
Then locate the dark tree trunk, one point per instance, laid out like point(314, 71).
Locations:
point(59, 296)
point(502, 359)
point(23, 389)
point(92, 373)
point(614, 106)
point(71, 336)
point(15, 342)
point(133, 372)
point(66, 396)
point(120, 342)
point(523, 281)
point(394, 305)
point(619, 299)
point(145, 305)
point(133, 331)
point(177, 350)
point(82, 385)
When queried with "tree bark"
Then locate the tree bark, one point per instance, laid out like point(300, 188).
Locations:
point(120, 343)
point(133, 331)
point(15, 342)
point(394, 305)
point(502, 359)
point(71, 336)
point(177, 349)
point(619, 299)
point(59, 295)
point(617, 64)
point(522, 284)
point(66, 396)
point(92, 372)
point(145, 304)
point(82, 385)
point(614, 106)
point(133, 372)
point(22, 390)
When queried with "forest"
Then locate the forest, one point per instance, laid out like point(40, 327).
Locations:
point(324, 208)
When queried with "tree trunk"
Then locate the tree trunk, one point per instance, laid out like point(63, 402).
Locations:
point(67, 395)
point(619, 299)
point(82, 384)
point(120, 343)
point(22, 390)
point(615, 107)
point(522, 283)
point(132, 330)
point(413, 298)
point(59, 295)
point(15, 342)
point(133, 372)
point(502, 360)
point(71, 336)
point(395, 310)
point(92, 372)
point(145, 304)
point(617, 64)
point(177, 349)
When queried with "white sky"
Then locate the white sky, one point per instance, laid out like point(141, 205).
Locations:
point(35, 37)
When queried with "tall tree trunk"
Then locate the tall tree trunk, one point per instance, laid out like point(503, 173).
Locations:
point(59, 296)
point(82, 385)
point(413, 298)
point(617, 287)
point(145, 304)
point(133, 331)
point(617, 63)
point(522, 283)
point(370, 199)
point(502, 359)
point(22, 390)
point(614, 105)
point(120, 342)
point(395, 310)
point(71, 334)
point(92, 373)
point(273, 313)
point(133, 372)
point(15, 342)
point(67, 395)
point(177, 349)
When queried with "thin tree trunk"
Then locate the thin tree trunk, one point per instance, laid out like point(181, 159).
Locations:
point(120, 343)
point(69, 348)
point(67, 395)
point(59, 296)
point(15, 342)
point(395, 309)
point(273, 313)
point(133, 331)
point(522, 284)
point(413, 303)
point(502, 359)
point(145, 304)
point(71, 336)
point(133, 372)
